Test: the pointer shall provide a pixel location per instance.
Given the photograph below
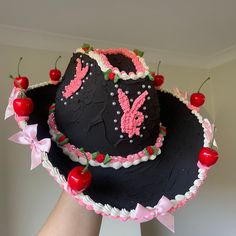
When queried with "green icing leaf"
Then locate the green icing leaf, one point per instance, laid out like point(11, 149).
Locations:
point(141, 53)
point(65, 141)
point(138, 52)
point(94, 155)
point(86, 45)
point(150, 77)
point(116, 79)
point(107, 159)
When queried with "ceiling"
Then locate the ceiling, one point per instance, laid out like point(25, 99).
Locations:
point(199, 30)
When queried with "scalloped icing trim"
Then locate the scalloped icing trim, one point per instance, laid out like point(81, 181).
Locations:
point(142, 70)
point(116, 162)
point(113, 212)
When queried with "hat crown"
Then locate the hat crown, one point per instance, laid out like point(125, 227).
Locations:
point(98, 114)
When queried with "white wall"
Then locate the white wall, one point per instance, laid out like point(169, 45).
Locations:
point(26, 197)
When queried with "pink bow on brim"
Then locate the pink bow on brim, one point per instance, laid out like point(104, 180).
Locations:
point(29, 137)
point(160, 212)
point(9, 110)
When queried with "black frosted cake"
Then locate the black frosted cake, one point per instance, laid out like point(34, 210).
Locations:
point(113, 139)
point(91, 117)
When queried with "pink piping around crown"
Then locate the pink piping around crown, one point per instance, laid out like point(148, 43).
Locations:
point(76, 151)
point(138, 65)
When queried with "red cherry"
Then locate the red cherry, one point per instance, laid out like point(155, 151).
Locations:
point(21, 81)
point(150, 150)
point(158, 80)
point(197, 99)
point(208, 156)
point(55, 74)
point(79, 180)
point(100, 158)
point(23, 106)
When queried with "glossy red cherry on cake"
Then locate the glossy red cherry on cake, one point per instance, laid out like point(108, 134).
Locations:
point(20, 81)
point(100, 157)
point(198, 99)
point(78, 179)
point(23, 106)
point(55, 74)
point(208, 156)
point(158, 78)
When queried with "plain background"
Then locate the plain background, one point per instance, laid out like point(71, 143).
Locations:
point(27, 197)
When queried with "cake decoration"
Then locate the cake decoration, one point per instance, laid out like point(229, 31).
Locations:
point(87, 48)
point(20, 81)
point(28, 136)
point(91, 118)
point(77, 81)
point(158, 78)
point(100, 159)
point(160, 212)
point(138, 52)
point(198, 99)
point(131, 118)
point(10, 110)
point(55, 74)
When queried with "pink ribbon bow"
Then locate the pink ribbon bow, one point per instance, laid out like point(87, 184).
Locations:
point(9, 110)
point(28, 136)
point(179, 93)
point(160, 212)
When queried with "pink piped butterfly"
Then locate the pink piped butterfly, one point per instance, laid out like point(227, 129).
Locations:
point(77, 81)
point(132, 118)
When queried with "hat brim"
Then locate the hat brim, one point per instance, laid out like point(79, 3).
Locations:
point(172, 174)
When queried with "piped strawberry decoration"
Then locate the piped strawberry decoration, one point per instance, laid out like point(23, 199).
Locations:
point(55, 74)
point(109, 75)
point(150, 150)
point(80, 177)
point(87, 48)
point(163, 130)
point(20, 81)
point(158, 78)
point(101, 158)
point(198, 99)
point(61, 139)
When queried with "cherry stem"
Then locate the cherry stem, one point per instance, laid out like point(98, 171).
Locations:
point(18, 66)
point(158, 67)
point(57, 61)
point(17, 82)
point(87, 163)
point(203, 84)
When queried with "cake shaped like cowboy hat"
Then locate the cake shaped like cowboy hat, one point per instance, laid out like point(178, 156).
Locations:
point(112, 138)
